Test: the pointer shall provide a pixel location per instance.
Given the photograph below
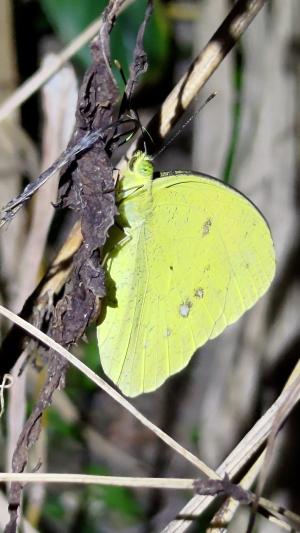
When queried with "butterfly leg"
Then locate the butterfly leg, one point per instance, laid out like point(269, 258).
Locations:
point(119, 244)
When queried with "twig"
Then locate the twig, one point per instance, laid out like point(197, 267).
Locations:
point(113, 481)
point(224, 39)
point(43, 74)
point(26, 527)
point(87, 141)
point(93, 200)
point(234, 462)
point(45, 339)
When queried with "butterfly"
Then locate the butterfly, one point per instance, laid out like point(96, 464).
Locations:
point(188, 257)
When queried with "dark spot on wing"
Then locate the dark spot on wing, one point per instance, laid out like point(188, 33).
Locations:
point(206, 227)
point(184, 308)
point(199, 293)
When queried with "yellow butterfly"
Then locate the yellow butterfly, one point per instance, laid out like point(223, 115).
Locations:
point(195, 255)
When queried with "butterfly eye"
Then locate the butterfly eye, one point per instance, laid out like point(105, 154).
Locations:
point(140, 165)
point(146, 168)
point(132, 162)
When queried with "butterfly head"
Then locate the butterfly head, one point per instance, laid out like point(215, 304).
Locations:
point(139, 171)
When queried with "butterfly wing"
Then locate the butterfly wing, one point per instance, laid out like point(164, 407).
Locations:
point(202, 256)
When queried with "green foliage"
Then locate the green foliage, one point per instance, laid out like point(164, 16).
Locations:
point(59, 428)
point(122, 500)
point(53, 508)
point(195, 437)
point(90, 356)
point(119, 499)
point(70, 17)
point(238, 78)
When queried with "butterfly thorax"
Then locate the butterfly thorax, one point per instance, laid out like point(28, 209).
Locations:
point(134, 195)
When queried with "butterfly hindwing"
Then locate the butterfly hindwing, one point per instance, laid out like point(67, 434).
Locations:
point(196, 259)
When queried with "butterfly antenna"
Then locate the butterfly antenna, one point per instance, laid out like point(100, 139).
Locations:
point(144, 132)
point(132, 114)
point(185, 124)
point(124, 115)
point(125, 109)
